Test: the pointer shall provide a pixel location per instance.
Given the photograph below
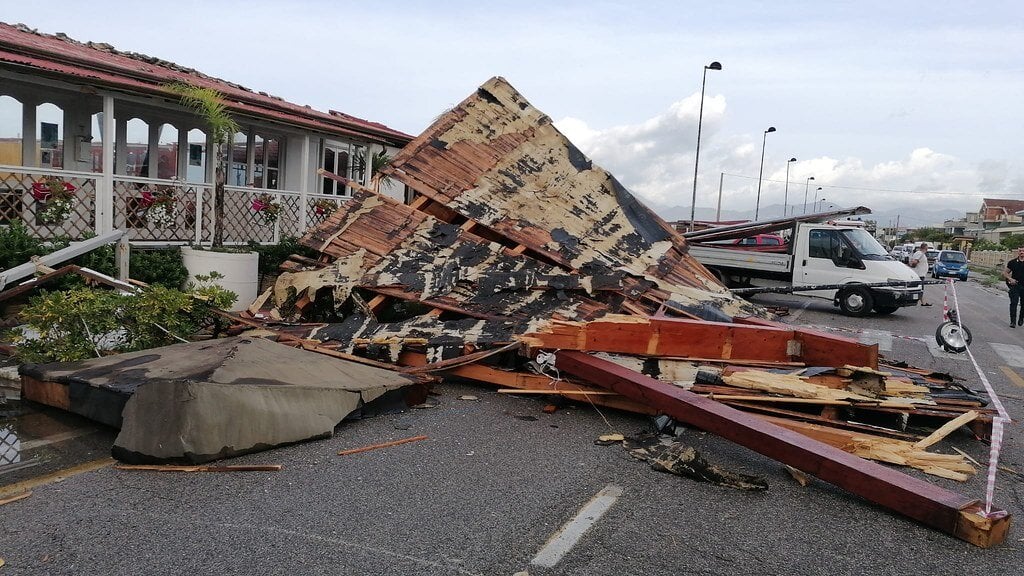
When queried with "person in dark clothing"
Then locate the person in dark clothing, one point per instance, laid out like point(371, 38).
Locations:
point(1014, 275)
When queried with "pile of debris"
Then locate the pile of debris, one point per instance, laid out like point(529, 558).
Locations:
point(520, 264)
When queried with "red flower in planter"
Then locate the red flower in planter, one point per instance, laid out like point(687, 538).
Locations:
point(147, 199)
point(50, 187)
point(323, 206)
point(258, 205)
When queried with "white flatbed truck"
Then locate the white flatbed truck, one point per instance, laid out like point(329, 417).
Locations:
point(863, 277)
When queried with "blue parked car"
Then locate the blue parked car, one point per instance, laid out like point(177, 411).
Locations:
point(950, 263)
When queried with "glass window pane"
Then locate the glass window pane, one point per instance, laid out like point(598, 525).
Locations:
point(50, 136)
point(137, 138)
point(167, 167)
point(196, 171)
point(10, 131)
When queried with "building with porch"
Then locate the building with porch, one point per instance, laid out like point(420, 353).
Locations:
point(103, 124)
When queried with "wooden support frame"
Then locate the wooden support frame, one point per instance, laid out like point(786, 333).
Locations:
point(927, 503)
point(684, 338)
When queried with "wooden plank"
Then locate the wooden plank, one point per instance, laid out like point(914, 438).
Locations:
point(15, 498)
point(797, 415)
point(526, 381)
point(381, 445)
point(922, 501)
point(674, 337)
point(46, 392)
point(36, 282)
point(822, 349)
point(53, 258)
point(556, 391)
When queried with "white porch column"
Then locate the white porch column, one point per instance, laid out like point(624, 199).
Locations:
point(153, 149)
point(182, 159)
point(250, 158)
point(105, 184)
point(304, 188)
point(29, 138)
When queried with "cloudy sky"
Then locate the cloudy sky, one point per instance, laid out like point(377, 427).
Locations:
point(907, 105)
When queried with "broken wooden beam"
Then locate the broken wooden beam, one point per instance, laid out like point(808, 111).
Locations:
point(684, 338)
point(927, 503)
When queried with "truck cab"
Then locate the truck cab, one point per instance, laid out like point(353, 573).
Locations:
point(845, 258)
point(825, 254)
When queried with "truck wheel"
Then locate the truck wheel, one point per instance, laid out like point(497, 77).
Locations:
point(856, 301)
point(883, 310)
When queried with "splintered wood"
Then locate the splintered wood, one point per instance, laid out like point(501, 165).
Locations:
point(516, 250)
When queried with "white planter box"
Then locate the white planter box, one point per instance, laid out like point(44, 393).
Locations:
point(240, 271)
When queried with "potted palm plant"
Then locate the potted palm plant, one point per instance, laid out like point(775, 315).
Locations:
point(237, 270)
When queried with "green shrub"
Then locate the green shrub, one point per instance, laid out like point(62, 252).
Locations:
point(273, 255)
point(17, 245)
point(982, 244)
point(1013, 241)
point(160, 267)
point(83, 322)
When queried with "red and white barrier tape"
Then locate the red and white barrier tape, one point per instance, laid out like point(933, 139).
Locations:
point(997, 422)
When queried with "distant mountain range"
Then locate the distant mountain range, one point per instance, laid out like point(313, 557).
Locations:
point(907, 218)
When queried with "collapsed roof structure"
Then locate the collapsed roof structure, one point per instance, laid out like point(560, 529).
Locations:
point(522, 264)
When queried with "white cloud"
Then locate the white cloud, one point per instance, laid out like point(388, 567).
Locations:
point(654, 158)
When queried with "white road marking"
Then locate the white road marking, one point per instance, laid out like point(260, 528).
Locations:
point(570, 533)
point(881, 337)
point(1010, 353)
point(793, 318)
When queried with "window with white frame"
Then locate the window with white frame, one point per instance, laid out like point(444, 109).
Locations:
point(344, 159)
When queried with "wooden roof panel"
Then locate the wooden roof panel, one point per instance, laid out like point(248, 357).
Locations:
point(501, 162)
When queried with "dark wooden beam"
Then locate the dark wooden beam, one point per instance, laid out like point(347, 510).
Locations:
point(927, 503)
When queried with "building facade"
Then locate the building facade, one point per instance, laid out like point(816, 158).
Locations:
point(102, 127)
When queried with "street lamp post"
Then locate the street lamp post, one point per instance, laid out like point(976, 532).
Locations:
point(815, 205)
point(822, 207)
point(757, 205)
point(785, 198)
point(809, 178)
point(696, 155)
point(718, 211)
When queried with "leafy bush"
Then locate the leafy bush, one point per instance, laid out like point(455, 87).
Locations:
point(159, 267)
point(982, 244)
point(1013, 241)
point(17, 245)
point(208, 296)
point(273, 255)
point(83, 322)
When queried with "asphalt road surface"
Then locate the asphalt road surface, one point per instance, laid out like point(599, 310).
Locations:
point(489, 490)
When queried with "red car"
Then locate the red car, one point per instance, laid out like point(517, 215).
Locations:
point(761, 240)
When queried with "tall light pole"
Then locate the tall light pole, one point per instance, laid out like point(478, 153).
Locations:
point(785, 198)
point(822, 207)
point(696, 155)
point(809, 178)
point(815, 205)
point(757, 205)
point(718, 211)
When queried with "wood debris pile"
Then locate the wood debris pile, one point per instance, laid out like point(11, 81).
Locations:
point(521, 264)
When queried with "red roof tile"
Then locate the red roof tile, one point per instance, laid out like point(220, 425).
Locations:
point(102, 64)
point(1011, 206)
